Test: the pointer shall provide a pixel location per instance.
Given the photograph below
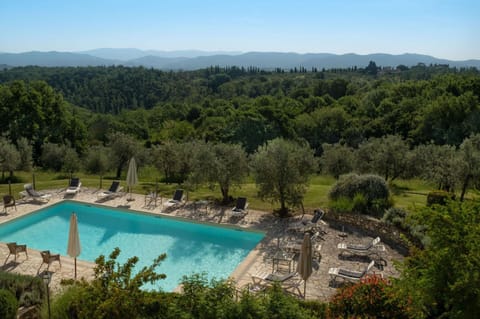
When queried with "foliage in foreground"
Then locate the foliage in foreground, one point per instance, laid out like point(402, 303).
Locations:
point(373, 297)
point(119, 295)
point(443, 280)
point(28, 290)
point(440, 281)
point(8, 305)
point(115, 291)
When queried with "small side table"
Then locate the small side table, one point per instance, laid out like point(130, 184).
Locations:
point(152, 197)
point(282, 257)
point(343, 234)
point(200, 207)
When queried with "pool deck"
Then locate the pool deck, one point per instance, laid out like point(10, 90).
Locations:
point(260, 260)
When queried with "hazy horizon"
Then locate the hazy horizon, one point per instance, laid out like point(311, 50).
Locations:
point(211, 53)
point(445, 29)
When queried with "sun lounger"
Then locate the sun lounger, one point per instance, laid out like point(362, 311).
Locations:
point(240, 207)
point(271, 277)
point(261, 281)
point(308, 225)
point(15, 249)
point(177, 198)
point(373, 248)
point(112, 192)
point(294, 286)
point(30, 193)
point(74, 186)
point(349, 275)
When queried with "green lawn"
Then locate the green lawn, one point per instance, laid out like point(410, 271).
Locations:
point(406, 193)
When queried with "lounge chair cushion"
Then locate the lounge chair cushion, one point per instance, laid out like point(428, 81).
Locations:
point(350, 273)
point(358, 247)
point(113, 191)
point(178, 195)
point(308, 225)
point(278, 277)
point(114, 187)
point(318, 214)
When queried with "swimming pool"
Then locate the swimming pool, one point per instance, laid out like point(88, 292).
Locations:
point(190, 247)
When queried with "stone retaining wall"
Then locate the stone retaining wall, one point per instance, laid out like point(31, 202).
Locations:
point(372, 227)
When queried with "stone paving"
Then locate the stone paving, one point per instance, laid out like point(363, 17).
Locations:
point(260, 260)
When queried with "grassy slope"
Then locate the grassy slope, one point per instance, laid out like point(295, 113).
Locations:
point(407, 194)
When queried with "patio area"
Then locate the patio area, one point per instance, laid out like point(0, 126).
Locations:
point(260, 260)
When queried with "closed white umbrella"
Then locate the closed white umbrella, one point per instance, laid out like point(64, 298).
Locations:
point(132, 177)
point(74, 249)
point(304, 267)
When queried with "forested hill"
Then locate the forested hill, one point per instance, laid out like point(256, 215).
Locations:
point(195, 60)
point(113, 89)
point(250, 106)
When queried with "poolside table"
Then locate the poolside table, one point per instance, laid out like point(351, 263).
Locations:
point(282, 258)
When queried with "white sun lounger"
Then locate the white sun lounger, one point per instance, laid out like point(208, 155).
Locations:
point(350, 275)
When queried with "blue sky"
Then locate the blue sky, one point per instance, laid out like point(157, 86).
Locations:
point(442, 28)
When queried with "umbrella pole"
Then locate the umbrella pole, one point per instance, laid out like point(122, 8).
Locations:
point(304, 289)
point(75, 259)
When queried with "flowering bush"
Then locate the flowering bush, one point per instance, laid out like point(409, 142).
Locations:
point(372, 297)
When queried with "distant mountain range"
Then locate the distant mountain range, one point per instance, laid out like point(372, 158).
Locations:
point(192, 59)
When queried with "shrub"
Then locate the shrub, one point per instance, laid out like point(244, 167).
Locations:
point(341, 205)
point(28, 290)
point(8, 305)
point(360, 203)
point(317, 308)
point(372, 297)
point(64, 304)
point(439, 197)
point(369, 193)
point(396, 217)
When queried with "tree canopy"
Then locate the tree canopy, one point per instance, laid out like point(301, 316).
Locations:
point(282, 169)
point(443, 279)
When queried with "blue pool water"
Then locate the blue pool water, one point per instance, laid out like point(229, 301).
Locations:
point(190, 247)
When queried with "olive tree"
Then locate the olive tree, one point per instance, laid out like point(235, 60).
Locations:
point(123, 147)
point(282, 169)
point(53, 156)
point(25, 149)
point(336, 159)
point(439, 164)
point(71, 161)
point(96, 162)
point(470, 153)
point(175, 160)
point(9, 157)
point(222, 164)
point(166, 159)
point(60, 157)
point(385, 156)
